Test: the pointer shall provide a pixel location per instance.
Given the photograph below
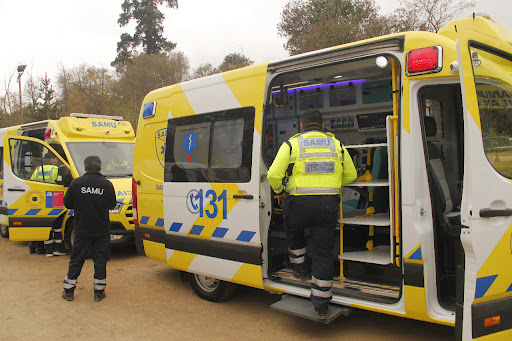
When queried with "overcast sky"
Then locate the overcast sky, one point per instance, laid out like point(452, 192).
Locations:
point(44, 34)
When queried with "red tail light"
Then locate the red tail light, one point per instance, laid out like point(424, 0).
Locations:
point(424, 60)
point(48, 133)
point(134, 202)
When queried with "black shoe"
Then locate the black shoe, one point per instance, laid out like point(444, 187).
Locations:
point(31, 250)
point(321, 314)
point(68, 295)
point(99, 295)
point(303, 276)
point(59, 253)
point(41, 251)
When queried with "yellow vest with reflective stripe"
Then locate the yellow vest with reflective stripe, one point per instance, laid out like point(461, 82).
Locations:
point(50, 173)
point(318, 164)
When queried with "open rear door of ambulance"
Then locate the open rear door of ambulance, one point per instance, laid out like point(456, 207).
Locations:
point(485, 310)
point(33, 196)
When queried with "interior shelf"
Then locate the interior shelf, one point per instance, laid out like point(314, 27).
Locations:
point(378, 219)
point(379, 255)
point(372, 183)
point(372, 145)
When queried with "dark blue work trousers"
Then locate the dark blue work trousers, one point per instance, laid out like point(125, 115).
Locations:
point(319, 213)
point(100, 247)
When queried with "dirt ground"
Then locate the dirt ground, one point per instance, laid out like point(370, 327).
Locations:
point(147, 300)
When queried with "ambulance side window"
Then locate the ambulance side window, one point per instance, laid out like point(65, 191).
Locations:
point(494, 93)
point(212, 147)
point(32, 161)
point(25, 157)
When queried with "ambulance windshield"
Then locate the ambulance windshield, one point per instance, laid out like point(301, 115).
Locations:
point(116, 157)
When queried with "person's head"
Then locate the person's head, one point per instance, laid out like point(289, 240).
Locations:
point(311, 120)
point(50, 159)
point(92, 163)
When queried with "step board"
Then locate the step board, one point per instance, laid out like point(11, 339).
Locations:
point(347, 284)
point(302, 307)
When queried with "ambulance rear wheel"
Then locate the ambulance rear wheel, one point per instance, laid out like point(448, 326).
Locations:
point(4, 231)
point(212, 289)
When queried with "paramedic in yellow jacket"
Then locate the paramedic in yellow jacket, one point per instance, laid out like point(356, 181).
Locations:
point(307, 175)
point(48, 173)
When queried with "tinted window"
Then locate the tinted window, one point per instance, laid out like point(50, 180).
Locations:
point(212, 147)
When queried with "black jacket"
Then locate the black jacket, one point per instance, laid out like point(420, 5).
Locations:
point(91, 196)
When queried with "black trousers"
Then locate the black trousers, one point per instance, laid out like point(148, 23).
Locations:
point(101, 255)
point(319, 213)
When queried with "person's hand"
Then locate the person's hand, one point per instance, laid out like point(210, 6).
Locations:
point(280, 197)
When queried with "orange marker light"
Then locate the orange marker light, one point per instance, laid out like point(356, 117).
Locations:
point(17, 223)
point(492, 321)
point(147, 235)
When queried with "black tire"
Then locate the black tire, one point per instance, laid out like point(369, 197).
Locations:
point(4, 231)
point(212, 289)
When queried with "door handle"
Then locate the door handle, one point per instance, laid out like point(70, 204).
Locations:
point(243, 196)
point(15, 189)
point(489, 212)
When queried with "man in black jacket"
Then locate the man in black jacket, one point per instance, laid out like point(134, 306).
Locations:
point(91, 196)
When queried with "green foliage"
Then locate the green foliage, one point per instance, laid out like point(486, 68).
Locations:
point(47, 107)
point(314, 24)
point(232, 61)
point(144, 74)
point(148, 31)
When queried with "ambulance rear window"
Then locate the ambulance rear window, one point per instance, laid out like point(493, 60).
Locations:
point(212, 147)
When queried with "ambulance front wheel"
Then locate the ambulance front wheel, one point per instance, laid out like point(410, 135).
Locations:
point(4, 231)
point(212, 289)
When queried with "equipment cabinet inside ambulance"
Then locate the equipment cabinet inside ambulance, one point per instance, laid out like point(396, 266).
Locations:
point(32, 196)
point(425, 230)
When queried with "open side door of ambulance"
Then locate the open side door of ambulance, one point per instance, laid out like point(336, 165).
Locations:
point(34, 200)
point(485, 309)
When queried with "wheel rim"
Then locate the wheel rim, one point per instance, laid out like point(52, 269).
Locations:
point(4, 229)
point(208, 284)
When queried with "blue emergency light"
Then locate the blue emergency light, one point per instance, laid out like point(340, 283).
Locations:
point(149, 110)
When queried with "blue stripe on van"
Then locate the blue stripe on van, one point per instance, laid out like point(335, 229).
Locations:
point(246, 236)
point(33, 211)
point(159, 222)
point(144, 220)
point(175, 227)
point(56, 211)
point(196, 230)
point(219, 232)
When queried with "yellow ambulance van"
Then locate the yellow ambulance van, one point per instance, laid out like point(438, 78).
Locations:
point(425, 231)
point(32, 200)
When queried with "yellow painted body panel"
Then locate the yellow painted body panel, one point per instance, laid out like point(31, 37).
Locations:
point(155, 251)
point(416, 306)
point(29, 233)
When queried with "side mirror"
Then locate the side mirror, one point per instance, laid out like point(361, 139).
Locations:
point(64, 176)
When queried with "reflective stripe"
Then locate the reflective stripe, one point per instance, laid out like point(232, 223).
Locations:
point(100, 284)
point(298, 252)
point(57, 230)
point(292, 159)
point(321, 283)
point(298, 260)
point(69, 283)
point(317, 190)
point(320, 293)
point(319, 154)
point(316, 142)
point(46, 242)
point(58, 241)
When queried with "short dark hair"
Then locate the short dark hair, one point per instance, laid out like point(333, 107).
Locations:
point(49, 156)
point(312, 119)
point(92, 163)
